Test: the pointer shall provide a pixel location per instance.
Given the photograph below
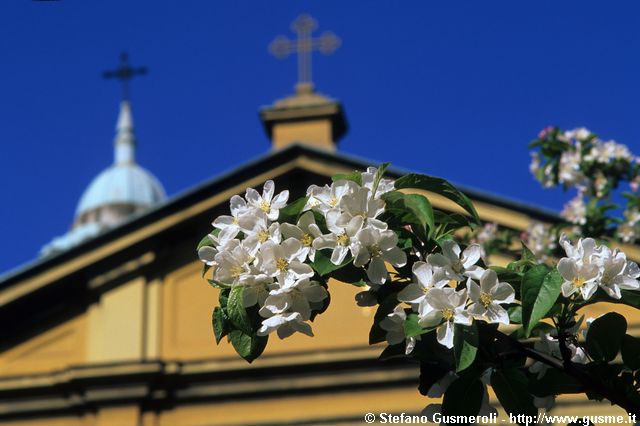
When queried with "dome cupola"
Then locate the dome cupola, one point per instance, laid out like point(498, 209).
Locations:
point(124, 188)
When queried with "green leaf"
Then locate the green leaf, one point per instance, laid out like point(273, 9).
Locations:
point(448, 223)
point(631, 352)
point(236, 311)
point(540, 290)
point(248, 346)
point(465, 345)
point(515, 314)
point(413, 209)
point(323, 265)
point(219, 322)
point(355, 176)
point(463, 397)
point(605, 336)
point(422, 210)
point(511, 388)
point(218, 284)
point(206, 241)
point(438, 186)
point(291, 212)
point(378, 177)
point(508, 275)
point(411, 326)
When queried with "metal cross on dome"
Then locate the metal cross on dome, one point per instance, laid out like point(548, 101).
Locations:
point(124, 73)
point(303, 26)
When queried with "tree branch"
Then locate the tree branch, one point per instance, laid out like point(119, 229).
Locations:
point(616, 396)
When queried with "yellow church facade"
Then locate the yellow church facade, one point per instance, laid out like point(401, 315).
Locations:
point(116, 330)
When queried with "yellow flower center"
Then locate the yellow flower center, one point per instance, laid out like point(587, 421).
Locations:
point(333, 201)
point(282, 264)
point(236, 271)
point(343, 239)
point(235, 221)
point(578, 282)
point(447, 314)
point(425, 290)
point(374, 250)
point(265, 206)
point(263, 236)
point(306, 240)
point(485, 299)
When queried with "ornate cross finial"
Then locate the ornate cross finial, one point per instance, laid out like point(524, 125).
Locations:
point(124, 73)
point(303, 26)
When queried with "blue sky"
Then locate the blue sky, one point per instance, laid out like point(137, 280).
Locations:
point(455, 89)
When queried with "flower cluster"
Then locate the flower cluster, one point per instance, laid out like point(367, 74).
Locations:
point(250, 249)
point(629, 229)
point(589, 266)
point(351, 213)
point(449, 288)
point(578, 158)
point(271, 261)
point(540, 239)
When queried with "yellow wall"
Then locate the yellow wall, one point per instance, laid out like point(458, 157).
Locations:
point(54, 349)
point(187, 331)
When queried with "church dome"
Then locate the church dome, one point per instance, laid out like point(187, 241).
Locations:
point(119, 192)
point(122, 189)
point(118, 186)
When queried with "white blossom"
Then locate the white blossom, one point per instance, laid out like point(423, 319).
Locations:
point(325, 198)
point(569, 171)
point(368, 180)
point(282, 260)
point(229, 225)
point(488, 296)
point(207, 255)
point(286, 324)
point(578, 277)
point(579, 270)
point(575, 211)
point(233, 264)
point(393, 325)
point(341, 239)
point(458, 265)
point(256, 289)
point(425, 277)
point(305, 231)
point(539, 239)
point(444, 308)
point(360, 203)
point(616, 273)
point(294, 295)
point(258, 230)
point(267, 202)
point(375, 247)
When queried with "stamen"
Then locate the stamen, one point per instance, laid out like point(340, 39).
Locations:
point(486, 299)
point(282, 265)
point(307, 239)
point(447, 314)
